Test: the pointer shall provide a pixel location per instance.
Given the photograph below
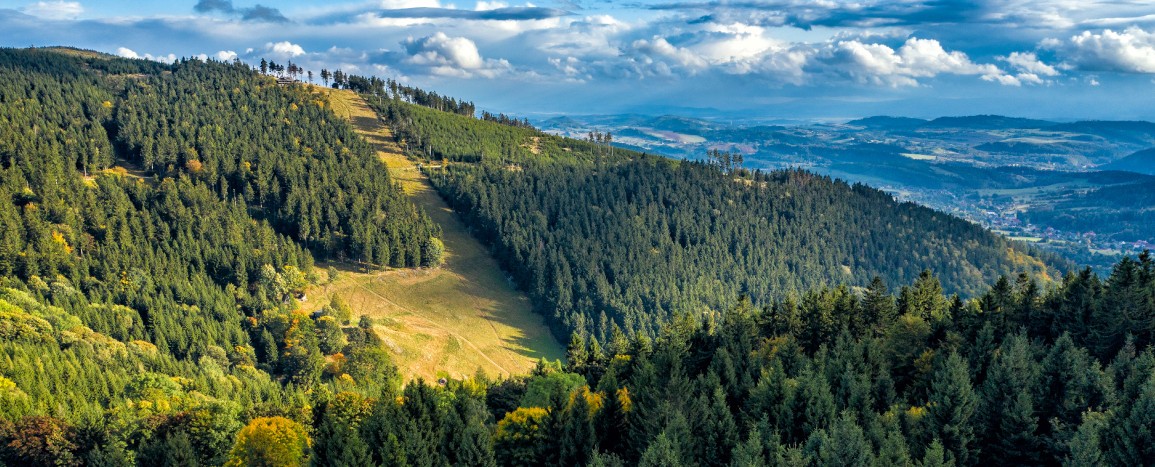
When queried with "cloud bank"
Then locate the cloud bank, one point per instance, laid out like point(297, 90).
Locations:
point(713, 53)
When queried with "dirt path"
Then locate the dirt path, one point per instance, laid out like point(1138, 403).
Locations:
point(449, 321)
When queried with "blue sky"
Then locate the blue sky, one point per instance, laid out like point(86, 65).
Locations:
point(824, 59)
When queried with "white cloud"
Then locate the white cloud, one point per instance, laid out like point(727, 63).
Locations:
point(661, 54)
point(879, 64)
point(285, 49)
point(440, 49)
point(55, 9)
point(1028, 70)
point(1028, 62)
point(483, 5)
point(451, 56)
point(126, 52)
point(226, 56)
point(730, 43)
point(592, 36)
point(394, 4)
point(1129, 51)
point(129, 53)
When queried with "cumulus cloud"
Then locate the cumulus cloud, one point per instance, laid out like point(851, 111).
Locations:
point(1129, 51)
point(129, 53)
point(496, 14)
point(451, 56)
point(1028, 69)
point(126, 52)
point(226, 56)
point(285, 49)
point(809, 14)
point(1029, 62)
point(917, 58)
point(440, 49)
point(593, 36)
point(747, 50)
point(661, 54)
point(254, 13)
point(55, 9)
point(395, 4)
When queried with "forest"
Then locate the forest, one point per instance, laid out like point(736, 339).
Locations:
point(603, 238)
point(150, 270)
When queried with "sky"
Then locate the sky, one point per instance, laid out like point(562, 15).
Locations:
point(745, 59)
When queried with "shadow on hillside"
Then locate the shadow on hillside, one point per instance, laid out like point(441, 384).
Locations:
point(366, 123)
point(531, 337)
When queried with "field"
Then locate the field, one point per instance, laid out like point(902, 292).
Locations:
point(448, 321)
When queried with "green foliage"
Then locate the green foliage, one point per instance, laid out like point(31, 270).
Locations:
point(952, 409)
point(550, 384)
point(432, 252)
point(278, 150)
point(644, 239)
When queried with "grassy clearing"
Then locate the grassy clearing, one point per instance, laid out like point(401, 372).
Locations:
point(449, 321)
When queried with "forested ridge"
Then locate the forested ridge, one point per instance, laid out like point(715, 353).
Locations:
point(604, 238)
point(138, 303)
point(148, 317)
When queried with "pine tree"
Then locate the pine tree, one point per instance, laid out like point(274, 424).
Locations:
point(893, 451)
point(1007, 413)
point(338, 444)
point(751, 453)
point(936, 456)
point(576, 439)
point(951, 409)
point(662, 453)
point(1085, 448)
point(1131, 439)
point(878, 306)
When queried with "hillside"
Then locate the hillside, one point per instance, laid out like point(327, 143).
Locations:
point(604, 238)
point(158, 224)
point(1140, 162)
point(453, 320)
point(1130, 208)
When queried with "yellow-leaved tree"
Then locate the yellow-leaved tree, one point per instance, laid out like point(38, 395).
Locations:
point(270, 442)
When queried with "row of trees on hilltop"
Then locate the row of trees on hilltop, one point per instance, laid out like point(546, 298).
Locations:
point(431, 134)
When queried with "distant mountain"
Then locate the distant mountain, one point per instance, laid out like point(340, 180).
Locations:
point(562, 123)
point(989, 122)
point(1140, 162)
point(1118, 131)
point(680, 124)
point(889, 123)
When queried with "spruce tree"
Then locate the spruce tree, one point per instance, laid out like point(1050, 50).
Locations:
point(951, 410)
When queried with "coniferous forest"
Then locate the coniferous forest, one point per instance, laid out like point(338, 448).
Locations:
point(158, 223)
point(605, 238)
